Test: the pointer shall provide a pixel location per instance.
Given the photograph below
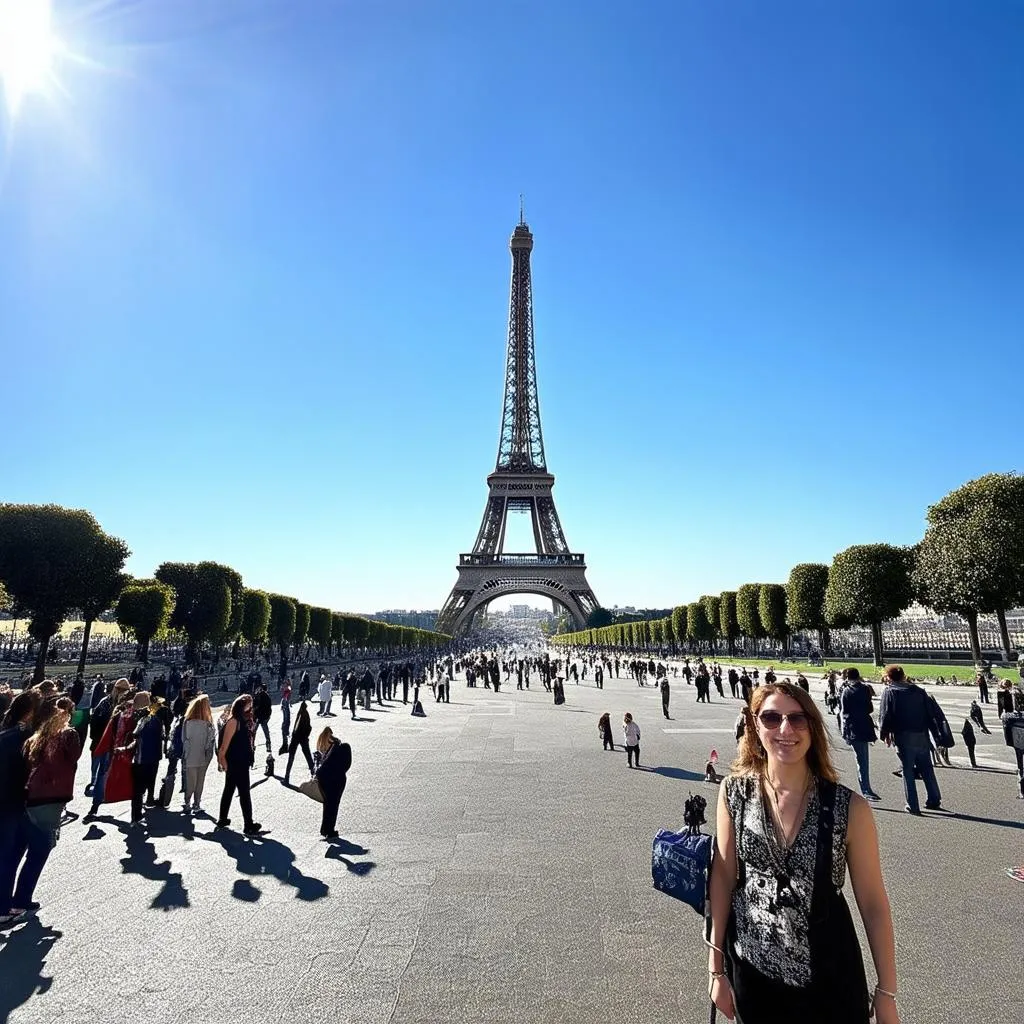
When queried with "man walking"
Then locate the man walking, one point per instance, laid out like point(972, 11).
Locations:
point(858, 729)
point(904, 720)
point(664, 695)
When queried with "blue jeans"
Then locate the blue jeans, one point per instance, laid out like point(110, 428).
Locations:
point(861, 748)
point(920, 758)
point(100, 770)
point(39, 842)
point(12, 849)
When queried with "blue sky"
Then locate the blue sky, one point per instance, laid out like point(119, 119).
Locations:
point(254, 280)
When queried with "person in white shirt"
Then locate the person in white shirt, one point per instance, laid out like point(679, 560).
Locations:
point(631, 739)
point(324, 692)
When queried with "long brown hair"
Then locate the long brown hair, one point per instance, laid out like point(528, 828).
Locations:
point(752, 759)
point(325, 739)
point(55, 723)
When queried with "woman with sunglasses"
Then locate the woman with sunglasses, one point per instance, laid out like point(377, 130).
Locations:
point(782, 945)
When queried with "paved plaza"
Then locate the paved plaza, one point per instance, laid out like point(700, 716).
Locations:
point(495, 866)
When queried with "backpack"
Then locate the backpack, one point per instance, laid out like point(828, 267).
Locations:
point(942, 734)
point(681, 861)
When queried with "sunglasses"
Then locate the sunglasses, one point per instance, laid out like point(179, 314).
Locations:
point(773, 719)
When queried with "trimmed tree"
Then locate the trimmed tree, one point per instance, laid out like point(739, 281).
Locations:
point(711, 611)
point(976, 533)
point(202, 606)
point(805, 601)
point(301, 626)
point(320, 628)
point(867, 585)
point(679, 623)
point(698, 629)
point(771, 608)
point(281, 627)
point(748, 614)
point(599, 618)
point(728, 628)
point(255, 617)
point(44, 552)
point(143, 610)
point(100, 583)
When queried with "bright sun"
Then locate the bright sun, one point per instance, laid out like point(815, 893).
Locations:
point(28, 49)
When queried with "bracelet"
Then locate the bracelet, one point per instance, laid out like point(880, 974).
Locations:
point(885, 992)
point(715, 975)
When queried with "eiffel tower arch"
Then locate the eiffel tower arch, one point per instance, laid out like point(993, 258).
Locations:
point(521, 484)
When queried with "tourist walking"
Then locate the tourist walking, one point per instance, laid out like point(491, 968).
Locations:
point(782, 945)
point(665, 693)
point(324, 694)
point(1013, 734)
point(235, 759)
point(982, 682)
point(858, 729)
point(300, 740)
point(147, 748)
point(17, 727)
point(51, 753)
point(604, 728)
point(286, 714)
point(261, 711)
point(904, 720)
point(199, 744)
point(970, 741)
point(631, 740)
point(332, 774)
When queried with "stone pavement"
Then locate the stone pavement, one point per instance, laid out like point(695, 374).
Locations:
point(495, 867)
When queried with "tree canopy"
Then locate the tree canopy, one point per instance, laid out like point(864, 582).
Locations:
point(868, 584)
point(748, 615)
point(144, 610)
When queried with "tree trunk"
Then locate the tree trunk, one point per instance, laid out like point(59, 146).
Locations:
point(1004, 634)
point(825, 640)
point(40, 672)
point(972, 628)
point(876, 643)
point(144, 652)
point(85, 647)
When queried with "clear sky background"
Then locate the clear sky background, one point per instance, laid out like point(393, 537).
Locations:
point(254, 280)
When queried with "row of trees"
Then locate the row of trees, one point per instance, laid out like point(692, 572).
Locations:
point(969, 562)
point(55, 561)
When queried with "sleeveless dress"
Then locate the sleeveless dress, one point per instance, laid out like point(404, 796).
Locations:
point(792, 953)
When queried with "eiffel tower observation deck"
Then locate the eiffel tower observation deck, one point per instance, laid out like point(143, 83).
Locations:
point(520, 483)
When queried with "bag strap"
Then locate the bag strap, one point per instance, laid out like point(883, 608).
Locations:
point(825, 854)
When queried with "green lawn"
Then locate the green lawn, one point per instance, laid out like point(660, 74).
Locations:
point(916, 670)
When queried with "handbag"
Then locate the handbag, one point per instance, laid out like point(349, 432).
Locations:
point(311, 788)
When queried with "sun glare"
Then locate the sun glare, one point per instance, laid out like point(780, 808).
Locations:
point(28, 49)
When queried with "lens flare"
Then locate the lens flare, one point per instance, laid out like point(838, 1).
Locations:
point(28, 50)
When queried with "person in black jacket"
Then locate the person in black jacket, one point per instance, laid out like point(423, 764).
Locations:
point(858, 728)
point(261, 711)
point(299, 740)
point(17, 726)
point(336, 759)
point(905, 720)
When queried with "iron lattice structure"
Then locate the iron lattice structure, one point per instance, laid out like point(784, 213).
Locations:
point(520, 483)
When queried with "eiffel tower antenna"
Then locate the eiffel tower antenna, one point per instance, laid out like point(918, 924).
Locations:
point(520, 483)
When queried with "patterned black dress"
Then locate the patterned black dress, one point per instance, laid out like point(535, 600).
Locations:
point(792, 951)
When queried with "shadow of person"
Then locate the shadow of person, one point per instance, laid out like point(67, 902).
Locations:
point(258, 856)
point(23, 952)
point(683, 774)
point(141, 860)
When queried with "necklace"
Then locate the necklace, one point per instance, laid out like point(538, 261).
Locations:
point(785, 839)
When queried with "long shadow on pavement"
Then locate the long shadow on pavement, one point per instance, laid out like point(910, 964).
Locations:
point(260, 855)
point(943, 814)
point(141, 860)
point(22, 957)
point(682, 774)
point(343, 850)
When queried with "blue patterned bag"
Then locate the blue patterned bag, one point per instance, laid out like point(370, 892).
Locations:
point(680, 861)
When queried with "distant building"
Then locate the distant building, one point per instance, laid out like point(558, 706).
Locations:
point(401, 617)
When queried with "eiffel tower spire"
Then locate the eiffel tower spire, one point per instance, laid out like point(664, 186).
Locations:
point(520, 483)
point(521, 444)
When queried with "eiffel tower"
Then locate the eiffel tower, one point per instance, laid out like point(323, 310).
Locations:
point(520, 483)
